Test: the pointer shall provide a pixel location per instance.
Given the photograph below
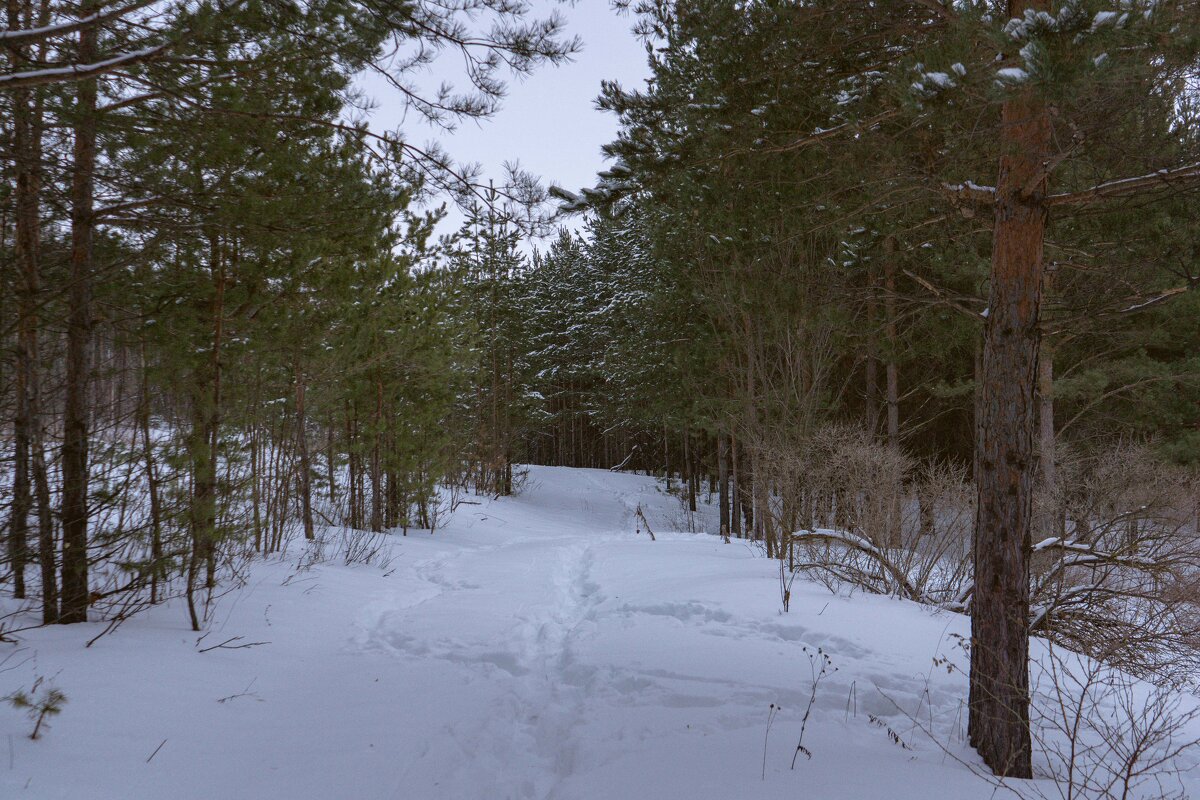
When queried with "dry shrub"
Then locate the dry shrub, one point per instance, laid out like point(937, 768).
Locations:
point(1098, 733)
point(350, 546)
point(1121, 583)
point(1103, 734)
point(874, 517)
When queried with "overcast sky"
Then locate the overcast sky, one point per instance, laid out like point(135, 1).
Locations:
point(548, 121)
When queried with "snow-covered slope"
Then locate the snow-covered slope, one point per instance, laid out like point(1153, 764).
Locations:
point(535, 647)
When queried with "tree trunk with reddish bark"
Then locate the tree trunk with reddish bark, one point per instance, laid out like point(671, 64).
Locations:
point(1005, 464)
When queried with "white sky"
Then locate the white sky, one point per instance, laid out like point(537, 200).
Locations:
point(548, 121)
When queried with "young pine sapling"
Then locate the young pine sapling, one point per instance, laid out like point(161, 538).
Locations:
point(38, 706)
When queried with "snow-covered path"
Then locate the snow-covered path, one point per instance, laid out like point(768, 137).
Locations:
point(535, 647)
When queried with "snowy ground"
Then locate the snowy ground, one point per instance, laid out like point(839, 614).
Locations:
point(535, 647)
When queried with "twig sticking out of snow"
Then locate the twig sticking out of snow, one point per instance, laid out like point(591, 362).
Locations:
point(822, 658)
point(621, 466)
point(160, 747)
point(640, 517)
point(228, 644)
point(771, 715)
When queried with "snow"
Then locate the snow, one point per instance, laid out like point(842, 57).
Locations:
point(970, 187)
point(1033, 22)
point(1012, 75)
point(534, 647)
point(46, 31)
point(53, 74)
point(940, 80)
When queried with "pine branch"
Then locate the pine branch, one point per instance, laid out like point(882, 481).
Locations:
point(80, 72)
point(18, 36)
point(68, 73)
point(970, 193)
point(944, 298)
point(854, 126)
point(1178, 177)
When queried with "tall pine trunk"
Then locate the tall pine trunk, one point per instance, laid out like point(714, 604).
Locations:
point(893, 368)
point(999, 678)
point(256, 470)
point(352, 476)
point(25, 170)
point(203, 501)
point(735, 511)
point(213, 421)
point(47, 556)
point(690, 468)
point(872, 369)
point(302, 450)
point(723, 481)
point(30, 473)
point(893, 533)
point(330, 461)
point(79, 325)
point(376, 471)
point(157, 565)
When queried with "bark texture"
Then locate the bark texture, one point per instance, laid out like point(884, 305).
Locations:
point(1005, 461)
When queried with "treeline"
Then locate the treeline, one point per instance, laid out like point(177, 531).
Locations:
point(755, 271)
point(223, 315)
point(963, 230)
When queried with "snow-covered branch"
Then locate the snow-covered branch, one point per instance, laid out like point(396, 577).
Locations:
point(866, 547)
point(1159, 298)
point(969, 192)
point(1176, 178)
point(79, 72)
point(22, 36)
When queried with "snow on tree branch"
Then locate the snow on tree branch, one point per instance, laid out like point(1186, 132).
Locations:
point(79, 72)
point(1177, 178)
point(19, 36)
